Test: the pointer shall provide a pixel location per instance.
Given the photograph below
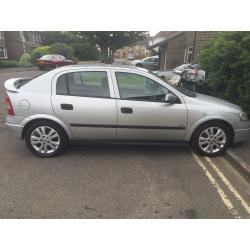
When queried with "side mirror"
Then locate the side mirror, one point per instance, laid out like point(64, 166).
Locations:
point(170, 98)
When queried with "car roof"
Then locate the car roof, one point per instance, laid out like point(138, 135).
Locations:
point(99, 66)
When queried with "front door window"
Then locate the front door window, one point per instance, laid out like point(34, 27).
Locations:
point(140, 88)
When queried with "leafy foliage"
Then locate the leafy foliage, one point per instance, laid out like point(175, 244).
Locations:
point(61, 49)
point(85, 51)
point(39, 52)
point(25, 61)
point(82, 48)
point(8, 64)
point(51, 37)
point(109, 41)
point(226, 59)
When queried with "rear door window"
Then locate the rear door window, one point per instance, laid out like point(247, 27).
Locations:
point(84, 83)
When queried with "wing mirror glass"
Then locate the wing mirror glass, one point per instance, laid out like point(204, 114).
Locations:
point(171, 98)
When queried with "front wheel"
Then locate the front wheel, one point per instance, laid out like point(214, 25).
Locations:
point(212, 138)
point(46, 139)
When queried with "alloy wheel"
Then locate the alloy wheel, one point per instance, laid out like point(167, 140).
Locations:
point(45, 140)
point(212, 140)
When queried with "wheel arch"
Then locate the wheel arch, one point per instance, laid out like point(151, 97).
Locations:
point(28, 121)
point(201, 122)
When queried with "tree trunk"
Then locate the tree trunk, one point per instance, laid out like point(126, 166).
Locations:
point(105, 55)
point(112, 55)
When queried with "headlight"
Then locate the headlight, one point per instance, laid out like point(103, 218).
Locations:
point(243, 116)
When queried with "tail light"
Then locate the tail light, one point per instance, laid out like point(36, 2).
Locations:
point(10, 109)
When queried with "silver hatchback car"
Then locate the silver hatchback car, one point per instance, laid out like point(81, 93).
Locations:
point(121, 104)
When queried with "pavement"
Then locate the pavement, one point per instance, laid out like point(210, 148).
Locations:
point(116, 181)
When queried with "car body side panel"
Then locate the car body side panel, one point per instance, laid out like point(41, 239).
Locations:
point(90, 118)
point(100, 118)
point(150, 120)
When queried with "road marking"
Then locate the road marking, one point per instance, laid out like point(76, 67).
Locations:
point(215, 184)
point(240, 161)
point(228, 184)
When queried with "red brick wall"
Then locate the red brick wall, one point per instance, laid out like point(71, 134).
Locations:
point(202, 37)
point(175, 51)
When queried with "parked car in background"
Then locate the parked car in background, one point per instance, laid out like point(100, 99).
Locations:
point(130, 57)
point(182, 67)
point(150, 63)
point(52, 61)
point(114, 103)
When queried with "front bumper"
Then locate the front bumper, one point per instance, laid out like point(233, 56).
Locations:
point(242, 132)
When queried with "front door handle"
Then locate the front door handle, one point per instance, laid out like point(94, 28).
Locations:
point(126, 110)
point(66, 106)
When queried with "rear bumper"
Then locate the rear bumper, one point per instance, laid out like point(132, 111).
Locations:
point(15, 125)
point(16, 130)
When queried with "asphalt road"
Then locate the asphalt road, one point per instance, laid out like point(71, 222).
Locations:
point(115, 181)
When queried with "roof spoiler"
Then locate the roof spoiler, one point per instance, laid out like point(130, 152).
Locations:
point(14, 84)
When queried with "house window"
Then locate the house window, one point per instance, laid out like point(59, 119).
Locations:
point(188, 55)
point(21, 36)
point(3, 53)
point(33, 36)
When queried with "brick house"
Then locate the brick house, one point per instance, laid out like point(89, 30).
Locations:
point(3, 50)
point(16, 43)
point(181, 47)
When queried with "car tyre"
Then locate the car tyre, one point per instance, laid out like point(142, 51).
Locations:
point(46, 139)
point(212, 138)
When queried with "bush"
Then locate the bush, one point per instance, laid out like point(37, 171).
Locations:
point(226, 59)
point(38, 53)
point(25, 61)
point(62, 49)
point(8, 64)
point(86, 51)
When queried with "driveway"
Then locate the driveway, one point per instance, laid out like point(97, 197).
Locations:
point(115, 181)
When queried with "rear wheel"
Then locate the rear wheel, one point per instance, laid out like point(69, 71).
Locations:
point(46, 139)
point(212, 138)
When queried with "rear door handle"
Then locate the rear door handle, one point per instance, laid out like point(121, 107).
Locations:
point(66, 106)
point(126, 110)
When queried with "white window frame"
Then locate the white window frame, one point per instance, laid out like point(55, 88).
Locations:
point(187, 53)
point(33, 35)
point(21, 36)
point(5, 54)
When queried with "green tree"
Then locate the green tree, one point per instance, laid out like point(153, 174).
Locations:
point(110, 41)
point(226, 59)
point(83, 49)
point(62, 49)
point(25, 61)
point(51, 37)
point(38, 53)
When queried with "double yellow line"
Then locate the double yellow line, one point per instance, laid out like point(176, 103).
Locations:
point(221, 193)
